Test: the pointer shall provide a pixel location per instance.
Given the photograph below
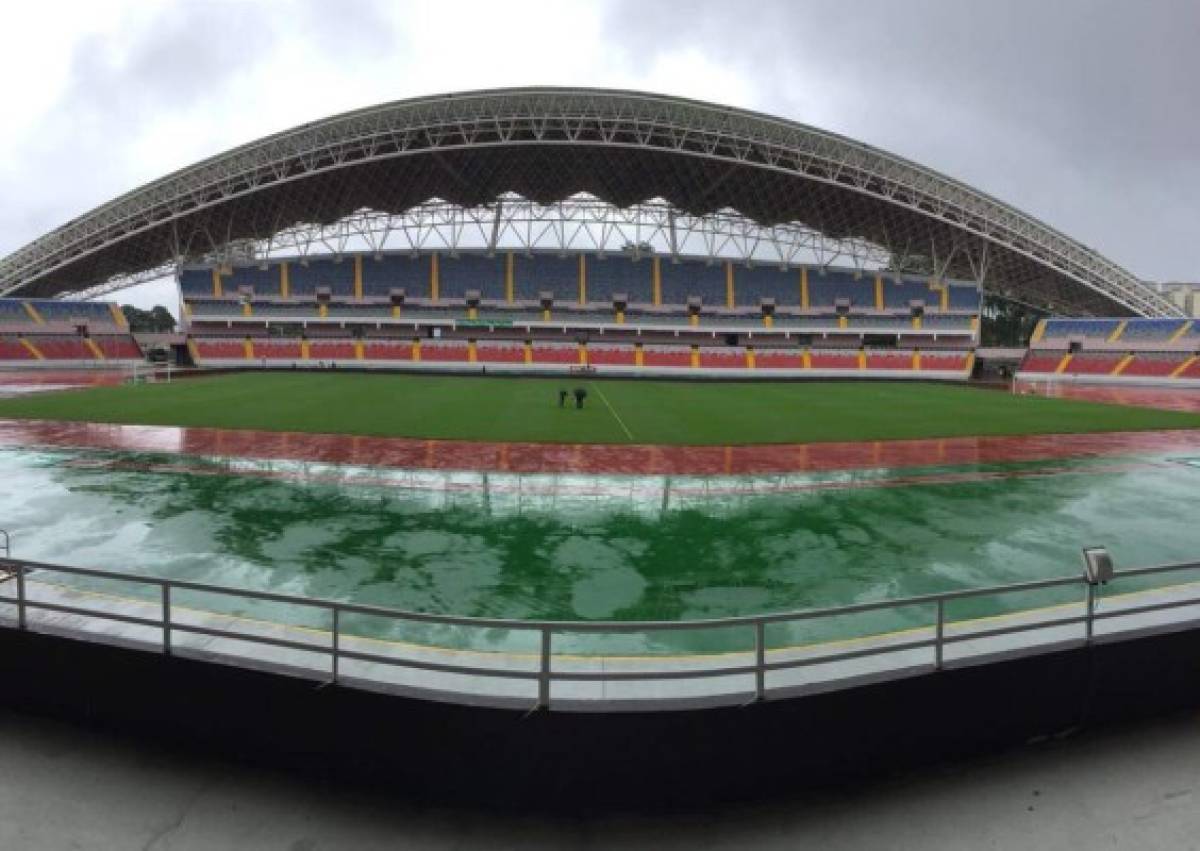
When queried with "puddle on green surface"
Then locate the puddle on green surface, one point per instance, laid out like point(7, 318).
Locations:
point(567, 547)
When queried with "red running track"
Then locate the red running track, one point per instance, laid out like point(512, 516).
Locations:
point(595, 459)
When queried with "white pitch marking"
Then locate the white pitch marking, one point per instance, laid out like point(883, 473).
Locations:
point(613, 411)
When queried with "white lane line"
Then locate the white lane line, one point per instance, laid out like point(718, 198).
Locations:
point(613, 411)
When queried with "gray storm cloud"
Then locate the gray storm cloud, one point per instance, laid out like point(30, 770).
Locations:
point(1085, 114)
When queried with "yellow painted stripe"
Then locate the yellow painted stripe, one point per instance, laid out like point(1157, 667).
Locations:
point(945, 297)
point(656, 281)
point(33, 313)
point(433, 276)
point(694, 319)
point(1124, 362)
point(879, 292)
point(583, 354)
point(750, 363)
point(916, 360)
point(216, 282)
point(843, 321)
point(546, 314)
point(970, 362)
point(191, 346)
point(472, 313)
point(695, 357)
point(416, 346)
point(248, 349)
point(472, 355)
point(528, 352)
point(360, 350)
point(508, 277)
point(94, 349)
point(1181, 330)
point(582, 279)
point(862, 359)
point(322, 310)
point(1039, 331)
point(639, 355)
point(246, 309)
point(916, 323)
point(33, 350)
point(768, 320)
point(729, 293)
point(804, 287)
point(118, 315)
point(285, 280)
point(358, 283)
point(1118, 331)
point(305, 350)
point(1062, 364)
point(1179, 370)
point(620, 317)
point(806, 359)
point(395, 311)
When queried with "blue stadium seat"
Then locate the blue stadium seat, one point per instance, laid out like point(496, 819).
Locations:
point(396, 271)
point(613, 274)
point(322, 272)
point(964, 297)
point(946, 321)
point(754, 283)
point(897, 296)
point(1097, 329)
point(195, 282)
point(13, 312)
point(689, 278)
point(546, 272)
point(825, 289)
point(264, 281)
point(55, 310)
point(457, 275)
point(1147, 330)
point(211, 307)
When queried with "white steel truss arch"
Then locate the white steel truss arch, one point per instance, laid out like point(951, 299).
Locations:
point(548, 144)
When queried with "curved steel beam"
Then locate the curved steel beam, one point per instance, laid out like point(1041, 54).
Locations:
point(548, 144)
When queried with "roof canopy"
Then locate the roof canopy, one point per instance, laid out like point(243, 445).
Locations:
point(548, 144)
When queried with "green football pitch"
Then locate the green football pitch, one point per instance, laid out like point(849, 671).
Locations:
point(527, 409)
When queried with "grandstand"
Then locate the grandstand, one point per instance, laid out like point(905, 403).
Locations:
point(616, 313)
point(1154, 351)
point(46, 332)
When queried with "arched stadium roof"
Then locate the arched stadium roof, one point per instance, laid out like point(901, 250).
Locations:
point(550, 144)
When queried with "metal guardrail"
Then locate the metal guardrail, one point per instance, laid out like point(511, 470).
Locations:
point(546, 674)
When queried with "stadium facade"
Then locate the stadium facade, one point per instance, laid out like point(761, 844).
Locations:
point(576, 170)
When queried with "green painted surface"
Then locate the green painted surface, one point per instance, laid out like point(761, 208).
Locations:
point(591, 547)
point(525, 409)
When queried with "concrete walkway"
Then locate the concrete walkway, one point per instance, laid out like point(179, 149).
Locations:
point(64, 787)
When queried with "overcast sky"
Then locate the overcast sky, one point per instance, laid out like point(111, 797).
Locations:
point(1085, 114)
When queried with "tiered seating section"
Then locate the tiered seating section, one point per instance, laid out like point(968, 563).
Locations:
point(1157, 351)
point(549, 311)
point(42, 332)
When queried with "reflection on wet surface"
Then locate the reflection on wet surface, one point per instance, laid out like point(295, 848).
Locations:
point(18, 382)
point(588, 458)
point(1166, 398)
point(567, 546)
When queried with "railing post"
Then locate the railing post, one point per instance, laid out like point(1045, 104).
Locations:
point(336, 643)
point(760, 661)
point(543, 699)
point(938, 647)
point(166, 615)
point(1091, 611)
point(21, 596)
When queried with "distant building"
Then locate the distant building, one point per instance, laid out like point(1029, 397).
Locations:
point(1183, 294)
